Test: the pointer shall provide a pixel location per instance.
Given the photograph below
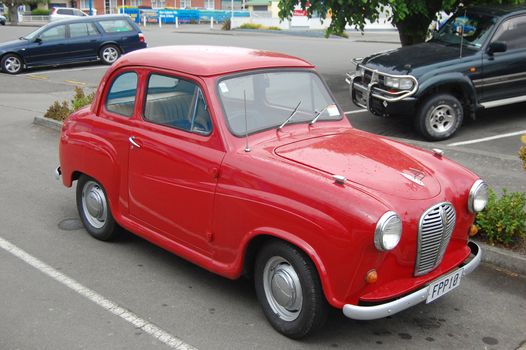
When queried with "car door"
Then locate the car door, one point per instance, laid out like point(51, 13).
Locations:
point(505, 72)
point(174, 162)
point(48, 48)
point(84, 41)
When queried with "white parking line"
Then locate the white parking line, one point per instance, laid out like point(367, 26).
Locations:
point(356, 111)
point(98, 299)
point(484, 139)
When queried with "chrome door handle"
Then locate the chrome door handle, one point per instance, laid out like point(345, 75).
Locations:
point(133, 142)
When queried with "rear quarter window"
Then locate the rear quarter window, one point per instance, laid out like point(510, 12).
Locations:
point(116, 26)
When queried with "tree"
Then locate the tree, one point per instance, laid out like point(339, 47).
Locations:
point(12, 7)
point(412, 18)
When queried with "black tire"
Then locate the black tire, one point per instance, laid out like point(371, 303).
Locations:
point(439, 117)
point(302, 310)
point(94, 209)
point(12, 64)
point(109, 54)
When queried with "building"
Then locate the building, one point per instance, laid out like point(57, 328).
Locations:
point(111, 6)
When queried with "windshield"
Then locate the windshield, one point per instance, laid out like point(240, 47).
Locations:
point(34, 34)
point(270, 98)
point(469, 27)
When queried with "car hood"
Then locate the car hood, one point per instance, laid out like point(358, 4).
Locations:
point(407, 59)
point(11, 45)
point(371, 162)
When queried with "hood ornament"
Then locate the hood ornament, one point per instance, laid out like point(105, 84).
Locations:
point(414, 175)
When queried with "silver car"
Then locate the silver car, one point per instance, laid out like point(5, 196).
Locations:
point(3, 20)
point(58, 13)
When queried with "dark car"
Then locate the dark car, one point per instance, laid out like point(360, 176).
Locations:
point(86, 39)
point(477, 60)
point(3, 20)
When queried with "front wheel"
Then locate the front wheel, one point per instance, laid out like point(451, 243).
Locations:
point(94, 209)
point(289, 290)
point(439, 117)
point(109, 54)
point(12, 64)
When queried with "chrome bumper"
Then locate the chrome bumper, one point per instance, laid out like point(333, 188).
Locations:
point(379, 311)
point(58, 173)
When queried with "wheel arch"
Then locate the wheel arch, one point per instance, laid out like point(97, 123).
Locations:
point(256, 242)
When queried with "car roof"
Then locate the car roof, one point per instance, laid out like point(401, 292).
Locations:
point(91, 18)
point(210, 60)
point(498, 10)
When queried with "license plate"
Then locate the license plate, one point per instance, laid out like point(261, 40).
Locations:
point(444, 285)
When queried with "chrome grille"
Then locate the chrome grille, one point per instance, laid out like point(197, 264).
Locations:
point(434, 232)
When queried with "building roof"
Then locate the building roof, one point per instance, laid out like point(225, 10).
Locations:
point(210, 60)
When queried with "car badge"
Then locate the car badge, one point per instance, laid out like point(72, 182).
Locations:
point(415, 176)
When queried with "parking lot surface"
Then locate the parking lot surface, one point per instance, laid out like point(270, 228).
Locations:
point(172, 299)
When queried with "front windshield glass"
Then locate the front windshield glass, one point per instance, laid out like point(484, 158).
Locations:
point(270, 98)
point(470, 28)
point(34, 34)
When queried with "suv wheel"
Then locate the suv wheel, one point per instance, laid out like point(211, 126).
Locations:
point(439, 117)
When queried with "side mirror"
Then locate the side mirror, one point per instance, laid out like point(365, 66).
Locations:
point(38, 40)
point(497, 46)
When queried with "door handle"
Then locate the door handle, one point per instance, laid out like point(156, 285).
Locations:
point(133, 142)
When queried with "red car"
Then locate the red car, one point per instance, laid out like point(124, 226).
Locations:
point(242, 162)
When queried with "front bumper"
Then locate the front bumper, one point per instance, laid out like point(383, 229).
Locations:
point(379, 101)
point(393, 307)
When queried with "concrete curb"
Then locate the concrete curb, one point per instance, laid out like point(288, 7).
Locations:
point(498, 257)
point(505, 259)
point(48, 123)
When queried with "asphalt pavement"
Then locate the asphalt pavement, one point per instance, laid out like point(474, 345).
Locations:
point(170, 298)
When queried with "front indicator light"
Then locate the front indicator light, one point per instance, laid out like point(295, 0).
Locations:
point(371, 277)
point(473, 230)
point(388, 231)
point(478, 197)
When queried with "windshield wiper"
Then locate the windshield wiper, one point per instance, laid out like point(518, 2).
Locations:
point(290, 116)
point(318, 115)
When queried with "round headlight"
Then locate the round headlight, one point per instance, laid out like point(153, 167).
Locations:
point(478, 196)
point(388, 231)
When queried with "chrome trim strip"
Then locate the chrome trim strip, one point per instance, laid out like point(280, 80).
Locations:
point(383, 310)
point(503, 102)
point(510, 78)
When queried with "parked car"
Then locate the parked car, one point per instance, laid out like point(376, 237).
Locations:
point(3, 20)
point(59, 13)
point(101, 38)
point(475, 61)
point(242, 162)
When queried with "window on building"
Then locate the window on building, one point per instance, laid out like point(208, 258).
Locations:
point(186, 4)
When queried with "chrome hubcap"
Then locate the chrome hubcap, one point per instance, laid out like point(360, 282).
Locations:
point(442, 118)
point(110, 54)
point(94, 204)
point(12, 64)
point(282, 288)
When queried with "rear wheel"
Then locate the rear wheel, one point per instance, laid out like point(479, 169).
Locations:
point(12, 64)
point(289, 290)
point(109, 54)
point(439, 117)
point(94, 209)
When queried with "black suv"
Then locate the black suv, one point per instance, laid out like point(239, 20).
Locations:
point(477, 59)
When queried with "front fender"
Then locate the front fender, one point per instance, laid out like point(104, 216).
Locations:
point(448, 79)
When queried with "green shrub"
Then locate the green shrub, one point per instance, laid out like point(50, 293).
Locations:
point(60, 111)
point(40, 12)
point(504, 219)
point(273, 28)
point(522, 155)
point(226, 25)
point(251, 26)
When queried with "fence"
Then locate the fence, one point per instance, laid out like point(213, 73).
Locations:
point(169, 16)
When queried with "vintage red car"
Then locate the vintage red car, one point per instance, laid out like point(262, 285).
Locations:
point(242, 162)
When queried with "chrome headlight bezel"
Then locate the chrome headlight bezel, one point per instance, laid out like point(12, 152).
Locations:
point(388, 231)
point(398, 83)
point(478, 197)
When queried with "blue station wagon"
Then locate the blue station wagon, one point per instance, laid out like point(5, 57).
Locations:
point(100, 38)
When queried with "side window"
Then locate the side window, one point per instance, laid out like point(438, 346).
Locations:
point(114, 26)
point(121, 97)
point(176, 103)
point(82, 29)
point(65, 12)
point(55, 33)
point(513, 33)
